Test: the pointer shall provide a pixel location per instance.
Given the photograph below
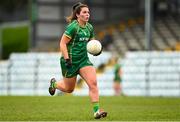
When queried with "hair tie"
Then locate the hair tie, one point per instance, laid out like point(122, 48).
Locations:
point(77, 5)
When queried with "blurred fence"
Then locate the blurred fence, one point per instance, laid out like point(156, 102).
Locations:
point(151, 73)
point(29, 73)
point(144, 74)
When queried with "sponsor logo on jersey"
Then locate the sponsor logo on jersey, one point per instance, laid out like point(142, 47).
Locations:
point(83, 39)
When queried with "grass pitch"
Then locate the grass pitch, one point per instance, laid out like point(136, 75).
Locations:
point(73, 108)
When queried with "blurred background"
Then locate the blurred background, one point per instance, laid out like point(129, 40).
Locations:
point(142, 36)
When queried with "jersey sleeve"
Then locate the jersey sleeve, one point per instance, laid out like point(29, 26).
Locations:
point(91, 31)
point(70, 30)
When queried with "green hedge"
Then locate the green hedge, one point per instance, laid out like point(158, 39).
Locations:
point(14, 39)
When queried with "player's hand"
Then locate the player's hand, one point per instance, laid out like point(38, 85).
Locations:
point(68, 63)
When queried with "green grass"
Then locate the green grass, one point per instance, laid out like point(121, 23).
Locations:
point(63, 108)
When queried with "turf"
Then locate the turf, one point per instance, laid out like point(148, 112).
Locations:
point(72, 108)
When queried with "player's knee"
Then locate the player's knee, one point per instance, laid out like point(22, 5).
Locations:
point(69, 90)
point(93, 84)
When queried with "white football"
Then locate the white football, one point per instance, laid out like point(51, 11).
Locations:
point(94, 47)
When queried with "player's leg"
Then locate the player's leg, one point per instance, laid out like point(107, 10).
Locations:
point(116, 88)
point(88, 73)
point(120, 89)
point(66, 85)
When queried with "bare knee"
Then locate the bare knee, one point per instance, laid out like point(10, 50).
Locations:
point(69, 90)
point(93, 84)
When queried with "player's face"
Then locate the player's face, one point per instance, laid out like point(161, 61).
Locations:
point(84, 14)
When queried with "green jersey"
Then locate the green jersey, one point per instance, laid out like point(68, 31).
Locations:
point(117, 77)
point(79, 37)
point(77, 47)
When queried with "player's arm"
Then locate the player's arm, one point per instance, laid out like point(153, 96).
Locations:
point(92, 38)
point(92, 35)
point(66, 38)
point(63, 46)
point(120, 71)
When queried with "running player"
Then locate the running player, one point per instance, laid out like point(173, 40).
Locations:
point(75, 59)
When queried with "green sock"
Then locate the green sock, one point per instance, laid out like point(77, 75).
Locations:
point(95, 106)
point(55, 85)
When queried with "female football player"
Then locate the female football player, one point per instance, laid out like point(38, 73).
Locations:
point(117, 79)
point(74, 58)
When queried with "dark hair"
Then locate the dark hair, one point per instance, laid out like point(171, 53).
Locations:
point(76, 9)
